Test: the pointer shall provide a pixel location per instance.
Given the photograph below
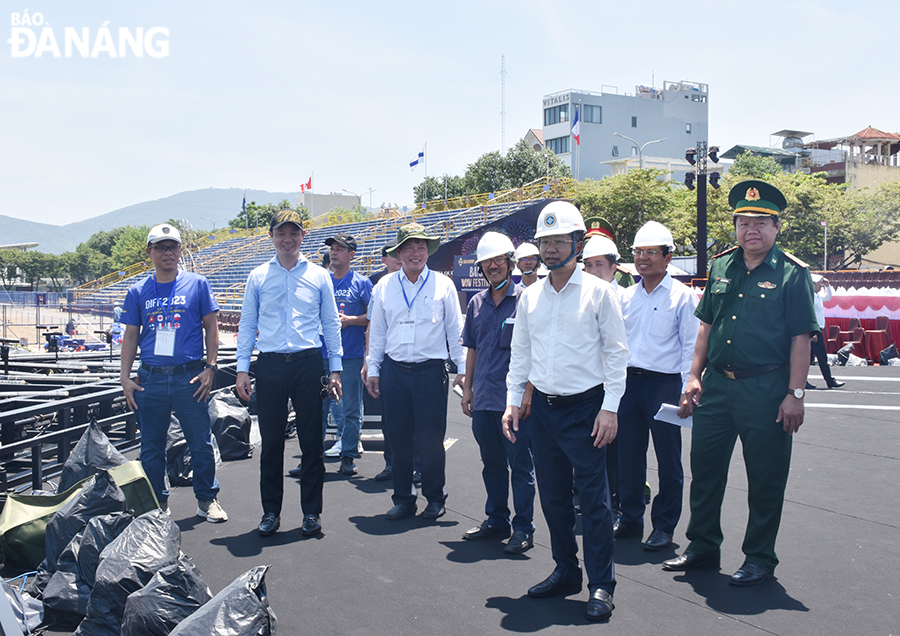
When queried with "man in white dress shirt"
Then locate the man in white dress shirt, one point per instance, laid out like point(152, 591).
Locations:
point(415, 314)
point(662, 331)
point(569, 342)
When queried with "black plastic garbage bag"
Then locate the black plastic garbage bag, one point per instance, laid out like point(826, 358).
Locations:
point(68, 591)
point(173, 594)
point(230, 421)
point(888, 353)
point(241, 609)
point(149, 543)
point(99, 496)
point(92, 453)
point(26, 609)
point(179, 470)
point(843, 354)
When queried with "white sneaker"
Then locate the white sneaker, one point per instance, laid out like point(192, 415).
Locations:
point(211, 511)
point(359, 448)
point(335, 449)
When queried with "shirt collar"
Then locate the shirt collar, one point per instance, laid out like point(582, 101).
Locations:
point(422, 276)
point(771, 259)
point(577, 278)
point(665, 283)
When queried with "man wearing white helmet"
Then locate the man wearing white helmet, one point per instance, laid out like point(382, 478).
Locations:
point(487, 334)
point(528, 261)
point(570, 343)
point(600, 259)
point(662, 331)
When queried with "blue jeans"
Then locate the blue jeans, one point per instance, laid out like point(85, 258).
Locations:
point(162, 395)
point(501, 457)
point(348, 414)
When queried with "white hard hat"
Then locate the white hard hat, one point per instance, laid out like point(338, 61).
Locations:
point(493, 244)
point(163, 232)
point(527, 249)
point(653, 233)
point(600, 246)
point(559, 217)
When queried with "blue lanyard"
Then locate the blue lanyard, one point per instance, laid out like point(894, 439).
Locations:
point(165, 309)
point(403, 289)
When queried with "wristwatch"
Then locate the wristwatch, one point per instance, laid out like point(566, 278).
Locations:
point(798, 393)
point(214, 367)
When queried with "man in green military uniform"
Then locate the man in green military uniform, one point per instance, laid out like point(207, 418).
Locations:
point(756, 318)
point(598, 226)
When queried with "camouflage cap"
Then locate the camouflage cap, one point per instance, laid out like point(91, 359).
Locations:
point(415, 231)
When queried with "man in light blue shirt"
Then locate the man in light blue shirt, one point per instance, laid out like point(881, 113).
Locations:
point(288, 300)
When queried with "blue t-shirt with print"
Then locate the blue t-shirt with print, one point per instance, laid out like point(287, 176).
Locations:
point(181, 303)
point(352, 294)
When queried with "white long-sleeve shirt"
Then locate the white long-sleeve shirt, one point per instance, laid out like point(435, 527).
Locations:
point(569, 341)
point(417, 326)
point(661, 326)
point(819, 299)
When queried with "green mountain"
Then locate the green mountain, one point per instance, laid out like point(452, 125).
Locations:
point(211, 203)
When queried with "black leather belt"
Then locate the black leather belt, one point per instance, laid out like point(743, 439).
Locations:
point(178, 369)
point(642, 373)
point(289, 357)
point(738, 374)
point(409, 367)
point(563, 400)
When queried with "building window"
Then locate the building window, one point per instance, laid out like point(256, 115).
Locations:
point(556, 115)
point(687, 128)
point(634, 151)
point(634, 122)
point(559, 145)
point(615, 151)
point(592, 114)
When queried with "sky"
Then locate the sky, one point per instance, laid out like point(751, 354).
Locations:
point(265, 95)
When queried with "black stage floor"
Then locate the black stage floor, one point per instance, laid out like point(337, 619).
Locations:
point(839, 545)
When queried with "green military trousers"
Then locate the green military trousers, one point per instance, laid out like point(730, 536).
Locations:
point(747, 409)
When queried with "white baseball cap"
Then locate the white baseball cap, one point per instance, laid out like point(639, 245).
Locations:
point(163, 232)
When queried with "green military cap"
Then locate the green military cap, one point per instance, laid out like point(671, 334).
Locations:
point(756, 198)
point(598, 226)
point(415, 231)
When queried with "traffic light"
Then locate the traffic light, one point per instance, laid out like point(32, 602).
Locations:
point(714, 179)
point(689, 180)
point(691, 156)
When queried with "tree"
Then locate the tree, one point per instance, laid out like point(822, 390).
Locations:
point(86, 264)
point(524, 164)
point(749, 166)
point(131, 247)
point(260, 215)
point(340, 215)
point(455, 187)
point(104, 240)
point(628, 201)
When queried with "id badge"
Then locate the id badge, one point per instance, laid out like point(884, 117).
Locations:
point(407, 332)
point(165, 341)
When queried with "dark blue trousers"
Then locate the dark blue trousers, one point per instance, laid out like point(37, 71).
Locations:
point(562, 446)
point(499, 458)
point(415, 413)
point(642, 399)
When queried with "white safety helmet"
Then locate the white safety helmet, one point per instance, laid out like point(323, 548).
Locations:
point(559, 217)
point(527, 249)
point(653, 233)
point(493, 244)
point(600, 246)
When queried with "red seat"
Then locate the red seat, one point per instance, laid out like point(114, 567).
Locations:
point(833, 343)
point(854, 323)
point(878, 338)
point(858, 340)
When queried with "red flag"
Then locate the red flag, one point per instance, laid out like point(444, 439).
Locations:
point(309, 184)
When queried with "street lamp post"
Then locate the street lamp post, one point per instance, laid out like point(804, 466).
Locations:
point(358, 198)
point(640, 147)
point(825, 256)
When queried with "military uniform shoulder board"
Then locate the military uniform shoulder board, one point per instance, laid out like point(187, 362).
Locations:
point(624, 270)
point(796, 260)
point(728, 251)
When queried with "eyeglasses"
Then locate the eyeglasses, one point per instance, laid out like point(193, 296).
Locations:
point(166, 248)
point(556, 243)
point(497, 260)
point(650, 253)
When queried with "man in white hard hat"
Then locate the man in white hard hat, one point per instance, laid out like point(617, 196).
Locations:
point(662, 331)
point(487, 334)
point(171, 315)
point(528, 261)
point(570, 343)
point(601, 259)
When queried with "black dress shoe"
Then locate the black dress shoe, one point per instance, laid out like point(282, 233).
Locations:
point(434, 509)
point(485, 531)
point(385, 475)
point(834, 384)
point(555, 584)
point(600, 605)
point(347, 468)
point(809, 387)
point(311, 526)
point(417, 478)
point(689, 561)
point(622, 530)
point(749, 574)
point(295, 472)
point(519, 542)
point(269, 524)
point(400, 511)
point(658, 540)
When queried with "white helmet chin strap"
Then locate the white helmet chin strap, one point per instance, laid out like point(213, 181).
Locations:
point(568, 259)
